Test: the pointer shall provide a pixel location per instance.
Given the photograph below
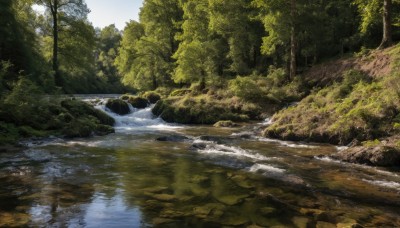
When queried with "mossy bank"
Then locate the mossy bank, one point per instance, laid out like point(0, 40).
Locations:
point(360, 106)
point(66, 118)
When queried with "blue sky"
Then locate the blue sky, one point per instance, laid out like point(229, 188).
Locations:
point(118, 12)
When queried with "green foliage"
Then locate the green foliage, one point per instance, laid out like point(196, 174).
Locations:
point(371, 143)
point(208, 109)
point(246, 88)
point(180, 92)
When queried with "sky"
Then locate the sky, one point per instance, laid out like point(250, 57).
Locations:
point(118, 12)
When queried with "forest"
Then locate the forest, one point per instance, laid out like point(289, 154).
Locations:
point(240, 60)
point(203, 113)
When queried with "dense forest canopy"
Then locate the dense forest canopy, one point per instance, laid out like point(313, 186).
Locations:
point(180, 42)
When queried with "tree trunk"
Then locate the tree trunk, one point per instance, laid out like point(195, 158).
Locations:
point(387, 24)
point(293, 65)
point(57, 76)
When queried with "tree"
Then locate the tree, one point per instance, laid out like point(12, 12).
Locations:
point(371, 12)
point(197, 55)
point(387, 24)
point(61, 12)
point(281, 22)
point(150, 57)
point(235, 22)
point(108, 41)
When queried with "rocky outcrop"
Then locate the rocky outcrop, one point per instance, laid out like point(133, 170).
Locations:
point(118, 106)
point(377, 156)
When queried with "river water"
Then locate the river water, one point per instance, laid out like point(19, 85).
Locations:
point(208, 178)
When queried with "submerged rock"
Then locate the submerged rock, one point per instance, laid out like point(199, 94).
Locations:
point(118, 106)
point(321, 224)
point(300, 222)
point(210, 211)
point(173, 138)
point(226, 123)
point(379, 156)
point(231, 199)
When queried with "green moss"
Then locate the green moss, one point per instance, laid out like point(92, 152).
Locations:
point(118, 106)
point(180, 92)
point(371, 143)
point(138, 102)
point(356, 108)
point(204, 109)
point(152, 97)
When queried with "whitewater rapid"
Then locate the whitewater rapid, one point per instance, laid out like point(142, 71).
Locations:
point(138, 120)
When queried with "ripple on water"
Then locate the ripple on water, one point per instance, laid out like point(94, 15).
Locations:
point(383, 183)
point(265, 168)
point(211, 148)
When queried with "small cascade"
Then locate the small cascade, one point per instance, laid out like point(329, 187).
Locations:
point(138, 119)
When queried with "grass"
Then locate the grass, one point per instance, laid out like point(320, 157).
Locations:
point(358, 107)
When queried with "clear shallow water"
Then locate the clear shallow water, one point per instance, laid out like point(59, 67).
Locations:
point(129, 179)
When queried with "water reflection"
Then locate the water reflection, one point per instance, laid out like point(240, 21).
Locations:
point(131, 180)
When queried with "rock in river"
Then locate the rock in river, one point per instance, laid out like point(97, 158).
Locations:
point(118, 106)
point(379, 156)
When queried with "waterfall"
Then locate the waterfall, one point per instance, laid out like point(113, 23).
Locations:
point(138, 119)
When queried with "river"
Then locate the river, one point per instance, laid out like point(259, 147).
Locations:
point(204, 177)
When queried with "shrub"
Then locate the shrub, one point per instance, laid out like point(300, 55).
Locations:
point(246, 88)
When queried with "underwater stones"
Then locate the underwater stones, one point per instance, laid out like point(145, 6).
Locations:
point(118, 106)
point(267, 210)
point(156, 205)
point(162, 197)
point(379, 156)
point(234, 221)
point(226, 123)
point(155, 189)
point(211, 211)
point(348, 223)
point(311, 212)
point(173, 138)
point(321, 224)
point(171, 213)
point(198, 146)
point(197, 179)
point(242, 181)
point(231, 199)
point(300, 222)
point(14, 219)
point(161, 221)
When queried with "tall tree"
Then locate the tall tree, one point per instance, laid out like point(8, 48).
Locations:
point(197, 56)
point(151, 55)
point(373, 11)
point(108, 41)
point(281, 22)
point(234, 21)
point(387, 24)
point(60, 11)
